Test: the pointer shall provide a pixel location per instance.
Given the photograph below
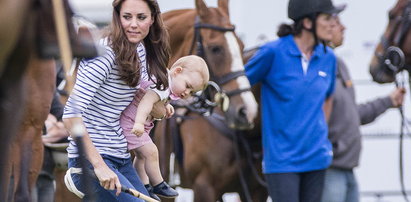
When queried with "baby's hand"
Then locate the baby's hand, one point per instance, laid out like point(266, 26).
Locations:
point(169, 110)
point(138, 129)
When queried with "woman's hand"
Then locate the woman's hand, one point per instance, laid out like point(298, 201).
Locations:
point(159, 110)
point(108, 179)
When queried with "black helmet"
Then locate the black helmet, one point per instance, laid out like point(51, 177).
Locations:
point(301, 8)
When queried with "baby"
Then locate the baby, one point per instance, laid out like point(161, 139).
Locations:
point(187, 75)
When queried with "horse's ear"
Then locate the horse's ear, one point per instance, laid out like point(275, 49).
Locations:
point(202, 8)
point(223, 5)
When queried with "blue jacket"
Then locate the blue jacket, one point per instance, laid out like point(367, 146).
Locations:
point(293, 122)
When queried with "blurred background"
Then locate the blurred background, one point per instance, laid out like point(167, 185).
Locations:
point(257, 22)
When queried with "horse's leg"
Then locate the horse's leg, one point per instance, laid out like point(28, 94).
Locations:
point(40, 92)
point(10, 104)
point(258, 193)
point(203, 189)
point(25, 173)
point(12, 93)
point(162, 138)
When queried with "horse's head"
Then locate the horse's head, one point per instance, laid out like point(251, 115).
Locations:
point(392, 53)
point(208, 32)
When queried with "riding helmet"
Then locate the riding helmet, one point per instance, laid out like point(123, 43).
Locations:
point(302, 8)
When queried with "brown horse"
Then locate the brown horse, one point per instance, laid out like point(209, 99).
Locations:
point(27, 81)
point(393, 53)
point(210, 151)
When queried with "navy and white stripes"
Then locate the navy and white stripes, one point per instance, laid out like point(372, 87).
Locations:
point(99, 96)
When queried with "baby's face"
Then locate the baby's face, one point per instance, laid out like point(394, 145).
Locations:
point(185, 83)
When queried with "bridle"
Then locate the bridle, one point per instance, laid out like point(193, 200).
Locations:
point(221, 98)
point(392, 55)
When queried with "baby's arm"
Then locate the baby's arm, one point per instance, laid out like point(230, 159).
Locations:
point(143, 111)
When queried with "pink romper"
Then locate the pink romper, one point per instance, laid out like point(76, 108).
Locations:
point(127, 120)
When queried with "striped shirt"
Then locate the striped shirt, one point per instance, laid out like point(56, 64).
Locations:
point(99, 96)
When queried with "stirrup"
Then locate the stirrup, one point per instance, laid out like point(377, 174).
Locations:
point(68, 180)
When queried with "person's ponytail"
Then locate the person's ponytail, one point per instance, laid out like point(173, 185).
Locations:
point(294, 29)
point(284, 30)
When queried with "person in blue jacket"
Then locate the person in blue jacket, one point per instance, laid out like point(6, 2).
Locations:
point(297, 75)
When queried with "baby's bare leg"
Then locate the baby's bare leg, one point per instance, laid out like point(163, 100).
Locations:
point(139, 166)
point(148, 155)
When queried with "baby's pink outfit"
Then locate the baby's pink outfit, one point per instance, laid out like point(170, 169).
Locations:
point(127, 120)
point(128, 116)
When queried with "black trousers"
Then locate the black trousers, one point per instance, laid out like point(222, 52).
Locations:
point(296, 187)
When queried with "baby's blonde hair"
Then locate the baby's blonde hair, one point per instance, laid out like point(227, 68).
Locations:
point(194, 63)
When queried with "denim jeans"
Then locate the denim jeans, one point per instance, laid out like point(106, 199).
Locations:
point(126, 174)
point(296, 187)
point(340, 186)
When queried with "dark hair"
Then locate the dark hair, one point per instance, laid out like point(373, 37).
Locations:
point(156, 44)
point(297, 27)
point(294, 29)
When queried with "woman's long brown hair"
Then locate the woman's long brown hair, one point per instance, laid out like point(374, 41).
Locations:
point(156, 44)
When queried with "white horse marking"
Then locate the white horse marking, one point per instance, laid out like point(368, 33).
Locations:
point(238, 65)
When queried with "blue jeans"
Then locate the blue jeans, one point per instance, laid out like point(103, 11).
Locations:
point(125, 172)
point(296, 187)
point(340, 186)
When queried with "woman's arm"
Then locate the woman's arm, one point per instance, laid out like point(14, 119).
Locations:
point(108, 179)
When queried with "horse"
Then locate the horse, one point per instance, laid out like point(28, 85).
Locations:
point(27, 83)
point(208, 146)
point(393, 52)
point(393, 55)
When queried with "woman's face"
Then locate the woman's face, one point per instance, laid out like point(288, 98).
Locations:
point(325, 23)
point(135, 18)
point(338, 32)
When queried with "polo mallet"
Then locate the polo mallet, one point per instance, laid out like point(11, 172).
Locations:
point(137, 194)
point(127, 190)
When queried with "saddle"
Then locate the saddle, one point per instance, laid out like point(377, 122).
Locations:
point(59, 154)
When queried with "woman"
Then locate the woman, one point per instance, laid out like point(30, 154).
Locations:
point(137, 50)
point(297, 74)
